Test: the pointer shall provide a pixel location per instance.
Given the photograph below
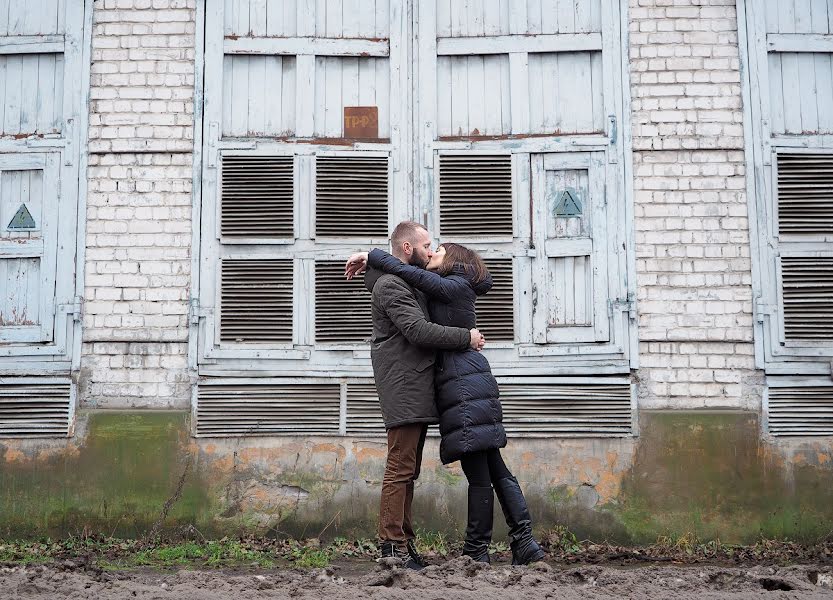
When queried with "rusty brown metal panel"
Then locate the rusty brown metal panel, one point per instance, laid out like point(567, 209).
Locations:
point(361, 122)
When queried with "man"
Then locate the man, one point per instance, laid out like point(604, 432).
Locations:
point(402, 352)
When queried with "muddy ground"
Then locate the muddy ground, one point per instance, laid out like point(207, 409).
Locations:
point(457, 579)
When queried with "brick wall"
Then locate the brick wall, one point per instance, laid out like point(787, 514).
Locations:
point(137, 271)
point(692, 229)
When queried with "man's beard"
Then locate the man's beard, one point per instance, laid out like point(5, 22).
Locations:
point(416, 261)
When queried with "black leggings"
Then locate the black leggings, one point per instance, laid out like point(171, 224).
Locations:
point(484, 468)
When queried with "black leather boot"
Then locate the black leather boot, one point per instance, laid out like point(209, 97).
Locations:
point(525, 549)
point(479, 528)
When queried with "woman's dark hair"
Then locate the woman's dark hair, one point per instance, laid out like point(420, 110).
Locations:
point(455, 254)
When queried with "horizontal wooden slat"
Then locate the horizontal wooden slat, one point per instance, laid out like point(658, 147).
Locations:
point(351, 196)
point(807, 298)
point(800, 410)
point(257, 197)
point(475, 196)
point(363, 412)
point(32, 409)
point(504, 44)
point(342, 308)
point(256, 300)
point(267, 409)
point(32, 44)
point(496, 310)
point(805, 194)
point(306, 45)
point(799, 42)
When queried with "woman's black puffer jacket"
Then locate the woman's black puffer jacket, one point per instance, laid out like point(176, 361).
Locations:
point(467, 393)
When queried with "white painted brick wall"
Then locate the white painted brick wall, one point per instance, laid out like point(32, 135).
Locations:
point(137, 271)
point(692, 229)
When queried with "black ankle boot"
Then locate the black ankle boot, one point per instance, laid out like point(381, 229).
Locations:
point(479, 528)
point(525, 549)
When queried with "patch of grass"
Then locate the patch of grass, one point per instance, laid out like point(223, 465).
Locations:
point(428, 542)
point(311, 558)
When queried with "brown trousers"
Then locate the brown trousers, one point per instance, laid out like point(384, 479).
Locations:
point(405, 445)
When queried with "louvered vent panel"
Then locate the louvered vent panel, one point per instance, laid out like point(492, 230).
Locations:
point(555, 409)
point(476, 196)
point(257, 198)
point(363, 412)
point(805, 194)
point(801, 410)
point(267, 409)
point(256, 300)
point(351, 196)
point(31, 409)
point(495, 310)
point(808, 298)
point(342, 308)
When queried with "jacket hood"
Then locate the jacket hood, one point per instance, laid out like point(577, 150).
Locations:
point(481, 287)
point(371, 276)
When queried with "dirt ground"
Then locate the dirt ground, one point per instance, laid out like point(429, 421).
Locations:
point(457, 579)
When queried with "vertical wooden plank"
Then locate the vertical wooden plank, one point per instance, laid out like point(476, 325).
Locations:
point(537, 102)
point(17, 13)
point(595, 15)
point(786, 16)
point(791, 82)
point(819, 16)
point(240, 21)
point(257, 16)
point(228, 17)
point(505, 96)
point(830, 17)
point(476, 92)
point(335, 26)
point(459, 96)
point(519, 90)
point(476, 17)
point(49, 17)
point(4, 17)
point(809, 92)
point(824, 85)
point(306, 18)
point(367, 20)
point(776, 93)
point(517, 17)
point(584, 16)
point(384, 93)
point(274, 19)
point(597, 91)
point(549, 16)
point(604, 252)
point(351, 18)
point(320, 18)
point(3, 99)
point(60, 72)
point(771, 11)
point(459, 20)
point(566, 16)
point(306, 94)
point(444, 95)
point(491, 17)
point(291, 20)
point(581, 293)
point(240, 95)
point(228, 84)
point(551, 88)
point(540, 264)
point(11, 117)
point(320, 96)
point(45, 103)
point(803, 17)
point(350, 81)
point(443, 18)
point(492, 94)
point(367, 82)
point(289, 95)
point(259, 79)
point(534, 18)
point(333, 112)
point(383, 29)
point(268, 100)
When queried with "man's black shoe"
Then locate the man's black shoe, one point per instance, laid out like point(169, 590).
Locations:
point(391, 550)
point(416, 556)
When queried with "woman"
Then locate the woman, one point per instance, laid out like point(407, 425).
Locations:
point(468, 400)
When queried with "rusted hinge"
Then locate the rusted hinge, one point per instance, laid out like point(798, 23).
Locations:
point(72, 309)
point(628, 305)
point(763, 309)
point(196, 312)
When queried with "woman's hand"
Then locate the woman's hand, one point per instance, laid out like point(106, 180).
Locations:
point(356, 265)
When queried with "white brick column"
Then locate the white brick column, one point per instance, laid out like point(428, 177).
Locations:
point(137, 271)
point(692, 230)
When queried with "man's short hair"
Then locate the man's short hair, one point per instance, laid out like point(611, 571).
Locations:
point(405, 232)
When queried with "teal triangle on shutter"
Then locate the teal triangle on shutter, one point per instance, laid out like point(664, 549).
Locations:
point(22, 219)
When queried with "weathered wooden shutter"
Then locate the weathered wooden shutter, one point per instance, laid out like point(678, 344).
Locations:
point(256, 300)
point(571, 240)
point(28, 246)
point(35, 407)
point(342, 308)
point(351, 196)
point(475, 196)
point(800, 410)
point(257, 199)
point(364, 417)
point(241, 408)
point(805, 194)
point(807, 298)
point(496, 310)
